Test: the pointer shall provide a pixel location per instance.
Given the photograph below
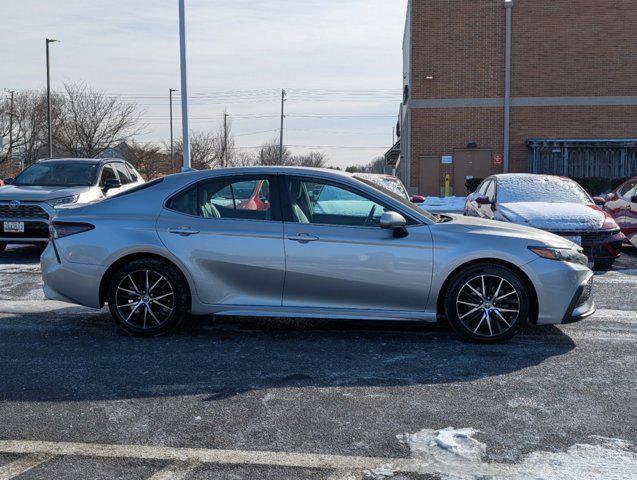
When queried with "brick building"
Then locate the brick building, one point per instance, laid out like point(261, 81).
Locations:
point(569, 96)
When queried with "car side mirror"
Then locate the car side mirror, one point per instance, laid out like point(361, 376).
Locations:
point(610, 197)
point(9, 180)
point(111, 183)
point(482, 200)
point(394, 221)
point(599, 201)
point(417, 199)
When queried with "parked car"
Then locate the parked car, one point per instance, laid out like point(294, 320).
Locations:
point(556, 204)
point(390, 182)
point(29, 201)
point(176, 246)
point(622, 205)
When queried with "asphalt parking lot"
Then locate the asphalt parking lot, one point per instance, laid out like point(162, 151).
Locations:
point(235, 399)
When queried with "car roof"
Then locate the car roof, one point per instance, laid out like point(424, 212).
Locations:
point(80, 160)
point(271, 170)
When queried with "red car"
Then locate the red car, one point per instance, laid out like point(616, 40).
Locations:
point(622, 205)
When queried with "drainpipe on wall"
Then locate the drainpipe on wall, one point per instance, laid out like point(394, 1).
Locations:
point(508, 5)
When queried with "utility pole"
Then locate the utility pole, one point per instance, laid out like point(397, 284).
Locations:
point(225, 139)
point(172, 149)
point(281, 135)
point(48, 95)
point(393, 136)
point(184, 87)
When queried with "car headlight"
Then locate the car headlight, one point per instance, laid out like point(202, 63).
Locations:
point(63, 201)
point(561, 254)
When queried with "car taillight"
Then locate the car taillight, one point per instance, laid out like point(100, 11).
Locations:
point(64, 229)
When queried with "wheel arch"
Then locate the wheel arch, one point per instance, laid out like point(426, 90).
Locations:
point(110, 271)
point(533, 314)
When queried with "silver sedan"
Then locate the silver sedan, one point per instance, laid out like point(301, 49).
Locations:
point(296, 242)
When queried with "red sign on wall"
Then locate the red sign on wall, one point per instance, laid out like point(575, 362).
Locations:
point(497, 159)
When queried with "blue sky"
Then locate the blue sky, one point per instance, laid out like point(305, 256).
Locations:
point(336, 57)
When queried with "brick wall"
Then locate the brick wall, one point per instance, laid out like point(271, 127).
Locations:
point(559, 48)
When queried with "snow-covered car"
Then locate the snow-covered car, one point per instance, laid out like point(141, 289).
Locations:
point(622, 205)
point(29, 201)
point(391, 183)
point(555, 204)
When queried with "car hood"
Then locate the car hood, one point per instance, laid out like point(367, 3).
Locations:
point(37, 194)
point(556, 217)
point(504, 229)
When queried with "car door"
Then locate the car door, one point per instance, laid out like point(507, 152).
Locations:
point(125, 177)
point(338, 257)
point(108, 173)
point(472, 208)
point(487, 210)
point(233, 251)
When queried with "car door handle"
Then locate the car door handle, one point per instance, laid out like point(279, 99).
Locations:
point(303, 238)
point(183, 231)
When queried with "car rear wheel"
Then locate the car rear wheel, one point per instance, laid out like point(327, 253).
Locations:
point(148, 297)
point(487, 303)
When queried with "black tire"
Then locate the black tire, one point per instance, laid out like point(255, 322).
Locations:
point(459, 304)
point(164, 316)
point(603, 264)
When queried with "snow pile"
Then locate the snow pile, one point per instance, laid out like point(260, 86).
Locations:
point(522, 187)
point(443, 204)
point(380, 473)
point(566, 217)
point(455, 455)
point(448, 444)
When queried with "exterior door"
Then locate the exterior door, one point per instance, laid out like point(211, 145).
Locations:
point(429, 176)
point(233, 247)
point(469, 163)
point(337, 256)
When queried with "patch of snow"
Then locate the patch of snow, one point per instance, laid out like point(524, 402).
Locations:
point(443, 204)
point(448, 444)
point(526, 187)
point(566, 217)
point(380, 473)
point(455, 455)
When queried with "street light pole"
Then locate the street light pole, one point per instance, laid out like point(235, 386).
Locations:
point(48, 95)
point(172, 150)
point(184, 87)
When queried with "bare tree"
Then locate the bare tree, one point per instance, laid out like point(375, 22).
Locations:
point(150, 160)
point(375, 166)
point(269, 154)
point(312, 159)
point(243, 159)
point(204, 150)
point(91, 121)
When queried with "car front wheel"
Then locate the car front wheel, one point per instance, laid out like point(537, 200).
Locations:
point(487, 303)
point(148, 297)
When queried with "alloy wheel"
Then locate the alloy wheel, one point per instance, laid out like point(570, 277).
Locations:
point(145, 299)
point(488, 305)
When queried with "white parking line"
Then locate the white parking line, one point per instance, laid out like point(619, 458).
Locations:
point(175, 471)
point(214, 456)
point(21, 465)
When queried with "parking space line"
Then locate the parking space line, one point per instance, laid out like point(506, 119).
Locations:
point(212, 456)
point(175, 471)
point(22, 465)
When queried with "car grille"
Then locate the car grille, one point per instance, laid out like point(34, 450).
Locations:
point(23, 211)
point(586, 293)
point(590, 237)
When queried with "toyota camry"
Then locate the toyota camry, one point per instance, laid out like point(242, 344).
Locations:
point(318, 243)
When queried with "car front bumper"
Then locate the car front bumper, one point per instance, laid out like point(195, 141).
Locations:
point(36, 217)
point(582, 305)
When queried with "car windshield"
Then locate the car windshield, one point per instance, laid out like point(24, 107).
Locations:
point(388, 182)
point(538, 188)
point(58, 174)
point(404, 201)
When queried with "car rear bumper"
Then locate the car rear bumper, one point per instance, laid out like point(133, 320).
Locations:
point(76, 283)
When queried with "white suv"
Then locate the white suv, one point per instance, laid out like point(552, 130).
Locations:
point(28, 202)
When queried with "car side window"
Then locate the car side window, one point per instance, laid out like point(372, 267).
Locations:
point(629, 190)
point(122, 171)
point(322, 203)
point(490, 191)
point(132, 173)
point(481, 190)
point(244, 199)
point(107, 173)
